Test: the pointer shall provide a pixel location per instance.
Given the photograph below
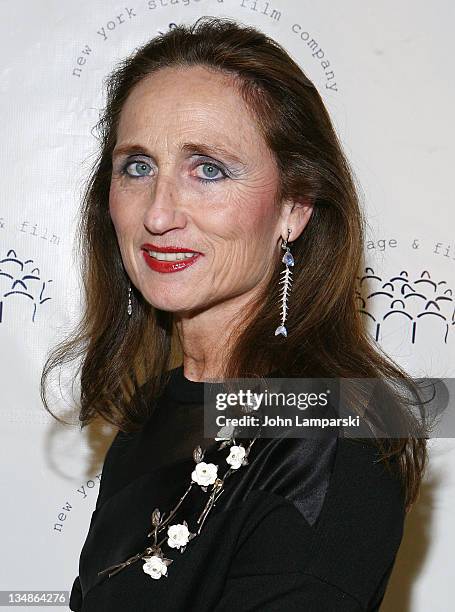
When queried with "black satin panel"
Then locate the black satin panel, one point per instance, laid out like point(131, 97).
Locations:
point(152, 468)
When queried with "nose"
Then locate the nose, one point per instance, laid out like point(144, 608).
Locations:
point(163, 211)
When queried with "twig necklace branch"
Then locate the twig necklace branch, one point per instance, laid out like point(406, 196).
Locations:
point(178, 534)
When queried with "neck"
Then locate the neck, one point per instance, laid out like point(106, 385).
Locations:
point(205, 337)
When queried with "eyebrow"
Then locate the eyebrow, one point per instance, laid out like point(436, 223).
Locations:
point(197, 148)
point(211, 150)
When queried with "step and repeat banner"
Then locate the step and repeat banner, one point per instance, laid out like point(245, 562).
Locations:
point(384, 72)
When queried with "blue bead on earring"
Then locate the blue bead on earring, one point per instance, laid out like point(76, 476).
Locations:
point(286, 281)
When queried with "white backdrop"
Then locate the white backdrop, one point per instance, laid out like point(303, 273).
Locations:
point(384, 71)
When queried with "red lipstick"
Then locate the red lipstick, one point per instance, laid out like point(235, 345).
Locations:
point(168, 266)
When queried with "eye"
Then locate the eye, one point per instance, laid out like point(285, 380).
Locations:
point(136, 168)
point(211, 172)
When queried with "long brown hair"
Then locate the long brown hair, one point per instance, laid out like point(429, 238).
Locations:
point(326, 335)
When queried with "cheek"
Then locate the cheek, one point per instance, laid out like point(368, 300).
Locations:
point(119, 207)
point(253, 212)
point(246, 232)
point(122, 218)
point(114, 202)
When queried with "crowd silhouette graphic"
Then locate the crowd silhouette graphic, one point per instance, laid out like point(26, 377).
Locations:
point(415, 303)
point(21, 280)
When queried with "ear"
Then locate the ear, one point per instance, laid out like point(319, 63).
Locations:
point(295, 215)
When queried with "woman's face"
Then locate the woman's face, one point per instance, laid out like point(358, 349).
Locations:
point(191, 170)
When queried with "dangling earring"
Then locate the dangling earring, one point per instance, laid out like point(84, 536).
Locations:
point(130, 306)
point(286, 281)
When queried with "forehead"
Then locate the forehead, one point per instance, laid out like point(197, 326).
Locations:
point(174, 103)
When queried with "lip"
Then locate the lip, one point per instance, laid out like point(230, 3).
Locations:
point(169, 249)
point(168, 266)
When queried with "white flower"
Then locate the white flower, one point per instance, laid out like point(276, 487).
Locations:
point(155, 567)
point(236, 456)
point(204, 473)
point(178, 535)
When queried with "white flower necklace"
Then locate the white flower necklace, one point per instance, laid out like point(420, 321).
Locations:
point(178, 534)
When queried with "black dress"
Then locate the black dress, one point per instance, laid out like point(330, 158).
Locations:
point(309, 524)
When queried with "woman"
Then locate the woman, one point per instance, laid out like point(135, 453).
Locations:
point(221, 224)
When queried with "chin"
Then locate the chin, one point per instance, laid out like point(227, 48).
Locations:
point(174, 304)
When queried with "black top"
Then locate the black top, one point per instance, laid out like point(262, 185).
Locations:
point(309, 524)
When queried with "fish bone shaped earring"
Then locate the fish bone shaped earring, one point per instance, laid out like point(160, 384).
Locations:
point(130, 306)
point(286, 281)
